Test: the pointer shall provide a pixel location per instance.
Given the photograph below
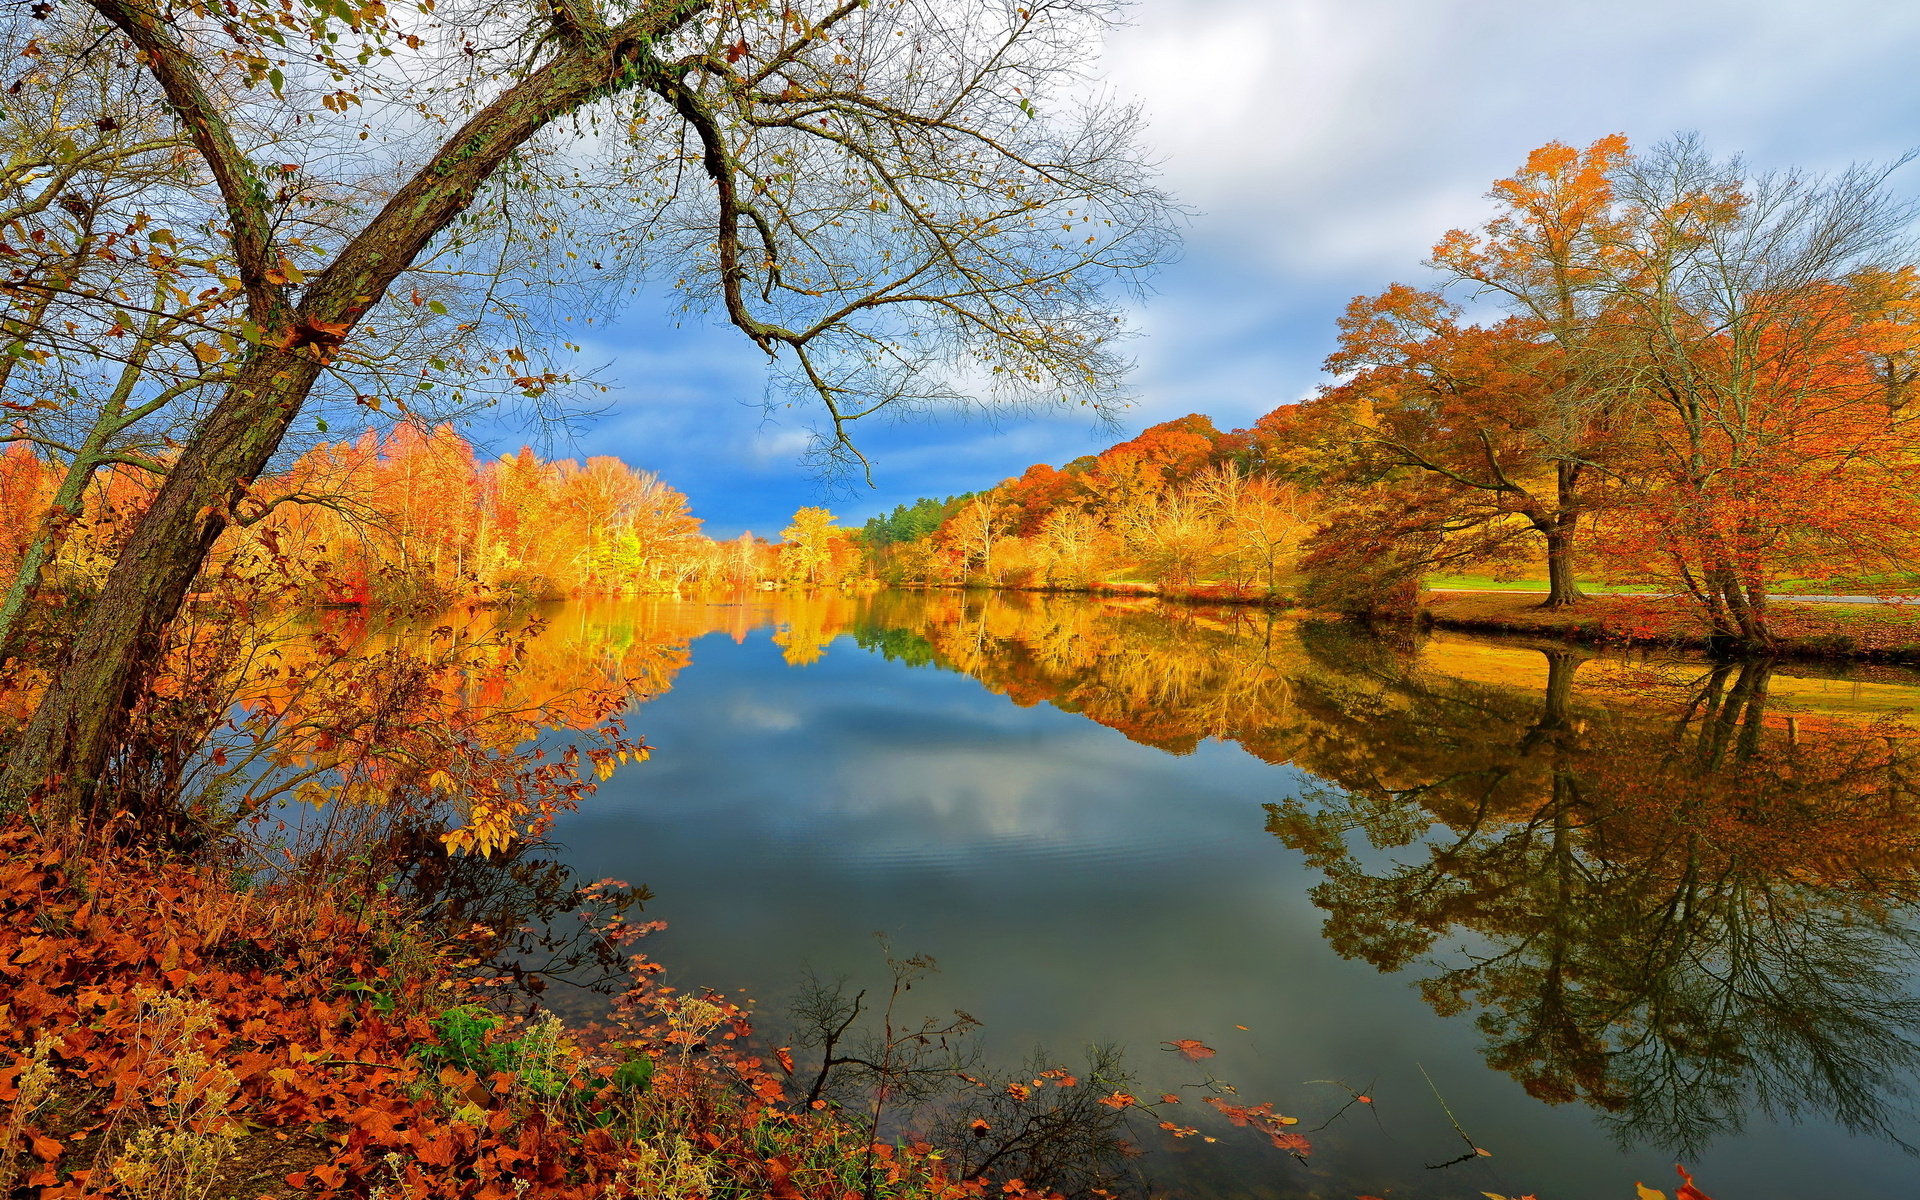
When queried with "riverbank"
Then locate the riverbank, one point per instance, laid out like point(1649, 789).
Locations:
point(1833, 629)
point(1888, 633)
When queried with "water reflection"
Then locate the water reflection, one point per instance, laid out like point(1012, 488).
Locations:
point(1654, 894)
point(1673, 910)
point(1677, 892)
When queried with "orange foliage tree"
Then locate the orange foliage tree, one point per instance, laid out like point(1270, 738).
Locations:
point(1758, 351)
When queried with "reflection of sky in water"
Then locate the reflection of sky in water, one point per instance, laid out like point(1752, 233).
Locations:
point(1078, 887)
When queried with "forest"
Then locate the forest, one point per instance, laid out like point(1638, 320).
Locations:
point(280, 755)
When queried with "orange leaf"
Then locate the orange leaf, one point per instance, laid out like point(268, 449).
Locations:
point(1190, 1049)
point(1293, 1143)
point(1687, 1190)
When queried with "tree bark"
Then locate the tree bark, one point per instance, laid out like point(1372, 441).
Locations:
point(1559, 529)
point(66, 747)
point(1562, 591)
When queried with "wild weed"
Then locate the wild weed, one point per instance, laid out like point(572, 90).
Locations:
point(178, 1153)
point(34, 1091)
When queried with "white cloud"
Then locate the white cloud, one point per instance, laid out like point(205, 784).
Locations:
point(1318, 133)
point(1327, 145)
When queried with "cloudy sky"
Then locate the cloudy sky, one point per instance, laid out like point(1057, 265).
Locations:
point(1325, 145)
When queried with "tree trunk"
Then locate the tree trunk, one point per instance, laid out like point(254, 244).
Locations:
point(66, 746)
point(1562, 591)
point(1749, 610)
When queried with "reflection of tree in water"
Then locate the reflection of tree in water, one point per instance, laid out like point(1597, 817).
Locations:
point(522, 916)
point(1165, 680)
point(1670, 918)
point(1675, 904)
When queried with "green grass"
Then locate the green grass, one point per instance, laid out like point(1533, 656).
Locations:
point(1487, 583)
point(1783, 587)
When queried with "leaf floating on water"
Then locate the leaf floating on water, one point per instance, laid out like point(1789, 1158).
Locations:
point(1647, 1193)
point(1191, 1050)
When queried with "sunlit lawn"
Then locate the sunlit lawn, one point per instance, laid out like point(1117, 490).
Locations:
point(1869, 585)
point(1487, 583)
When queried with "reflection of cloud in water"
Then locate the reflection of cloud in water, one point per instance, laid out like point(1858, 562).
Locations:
point(1076, 801)
point(753, 715)
point(853, 763)
point(950, 806)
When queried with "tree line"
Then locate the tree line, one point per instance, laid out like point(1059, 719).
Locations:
point(1663, 369)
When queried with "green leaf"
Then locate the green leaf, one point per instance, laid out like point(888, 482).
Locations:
point(634, 1075)
point(277, 79)
point(436, 306)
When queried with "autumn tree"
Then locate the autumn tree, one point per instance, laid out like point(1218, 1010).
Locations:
point(1475, 413)
point(1262, 522)
point(1757, 331)
point(977, 531)
point(885, 193)
point(808, 547)
point(1161, 457)
point(1072, 544)
point(1498, 416)
point(1174, 536)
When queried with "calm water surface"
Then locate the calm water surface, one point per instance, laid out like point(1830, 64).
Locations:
point(1612, 912)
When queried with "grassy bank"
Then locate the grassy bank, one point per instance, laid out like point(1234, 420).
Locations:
point(1867, 632)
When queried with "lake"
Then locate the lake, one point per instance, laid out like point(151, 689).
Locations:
point(1590, 913)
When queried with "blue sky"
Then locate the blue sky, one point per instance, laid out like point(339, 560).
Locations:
point(1325, 145)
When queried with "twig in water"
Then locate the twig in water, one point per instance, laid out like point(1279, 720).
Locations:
point(1473, 1150)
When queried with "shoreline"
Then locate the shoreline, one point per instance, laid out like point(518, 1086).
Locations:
point(1829, 629)
point(1830, 632)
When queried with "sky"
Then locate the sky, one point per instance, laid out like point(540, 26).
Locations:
point(1324, 146)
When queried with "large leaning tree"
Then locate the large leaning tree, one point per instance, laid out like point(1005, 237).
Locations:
point(900, 202)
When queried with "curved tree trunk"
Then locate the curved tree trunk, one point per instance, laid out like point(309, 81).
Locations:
point(61, 756)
